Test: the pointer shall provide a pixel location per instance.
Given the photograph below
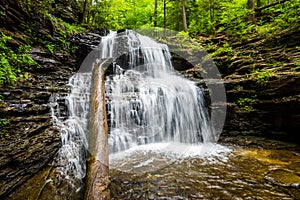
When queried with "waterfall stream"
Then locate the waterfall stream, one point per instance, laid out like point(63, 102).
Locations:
point(147, 101)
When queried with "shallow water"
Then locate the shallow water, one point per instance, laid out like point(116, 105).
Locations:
point(176, 171)
point(211, 172)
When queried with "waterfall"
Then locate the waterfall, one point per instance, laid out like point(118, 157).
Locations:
point(147, 101)
point(72, 154)
point(74, 130)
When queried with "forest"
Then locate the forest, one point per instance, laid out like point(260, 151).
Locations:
point(236, 20)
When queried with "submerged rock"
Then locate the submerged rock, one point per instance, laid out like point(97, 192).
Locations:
point(284, 178)
point(288, 180)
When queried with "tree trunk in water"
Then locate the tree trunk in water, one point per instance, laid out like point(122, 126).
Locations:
point(185, 27)
point(155, 13)
point(97, 178)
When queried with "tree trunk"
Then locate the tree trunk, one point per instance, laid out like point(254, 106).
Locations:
point(185, 27)
point(211, 10)
point(251, 7)
point(97, 178)
point(155, 13)
point(165, 18)
point(258, 4)
point(212, 13)
point(85, 3)
point(89, 12)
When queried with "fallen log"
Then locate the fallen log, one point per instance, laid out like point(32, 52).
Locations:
point(97, 178)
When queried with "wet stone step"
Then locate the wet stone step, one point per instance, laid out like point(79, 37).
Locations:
point(39, 118)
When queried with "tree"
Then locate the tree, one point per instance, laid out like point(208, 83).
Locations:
point(85, 3)
point(89, 13)
point(212, 10)
point(165, 18)
point(155, 13)
point(250, 5)
point(258, 4)
point(185, 26)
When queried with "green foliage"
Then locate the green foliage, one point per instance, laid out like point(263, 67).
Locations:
point(205, 17)
point(246, 104)
point(233, 18)
point(50, 47)
point(3, 124)
point(64, 30)
point(261, 76)
point(284, 17)
point(226, 49)
point(14, 62)
point(204, 23)
point(119, 14)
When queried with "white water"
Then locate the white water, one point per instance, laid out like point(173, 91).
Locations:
point(150, 103)
point(73, 130)
point(147, 103)
point(170, 152)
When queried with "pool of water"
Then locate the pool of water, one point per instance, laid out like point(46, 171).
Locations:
point(249, 168)
point(173, 171)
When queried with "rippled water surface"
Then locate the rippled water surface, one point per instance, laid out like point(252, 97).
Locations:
point(173, 171)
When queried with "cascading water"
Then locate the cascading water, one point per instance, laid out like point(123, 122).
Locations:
point(72, 154)
point(74, 130)
point(147, 102)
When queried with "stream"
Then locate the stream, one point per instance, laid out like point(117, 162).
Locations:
point(221, 172)
point(216, 171)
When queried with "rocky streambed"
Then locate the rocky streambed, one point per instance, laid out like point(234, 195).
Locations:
point(219, 172)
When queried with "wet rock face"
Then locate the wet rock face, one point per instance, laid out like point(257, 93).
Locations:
point(273, 113)
point(67, 11)
point(32, 140)
point(34, 149)
point(86, 42)
point(179, 63)
point(268, 107)
point(283, 177)
point(13, 17)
